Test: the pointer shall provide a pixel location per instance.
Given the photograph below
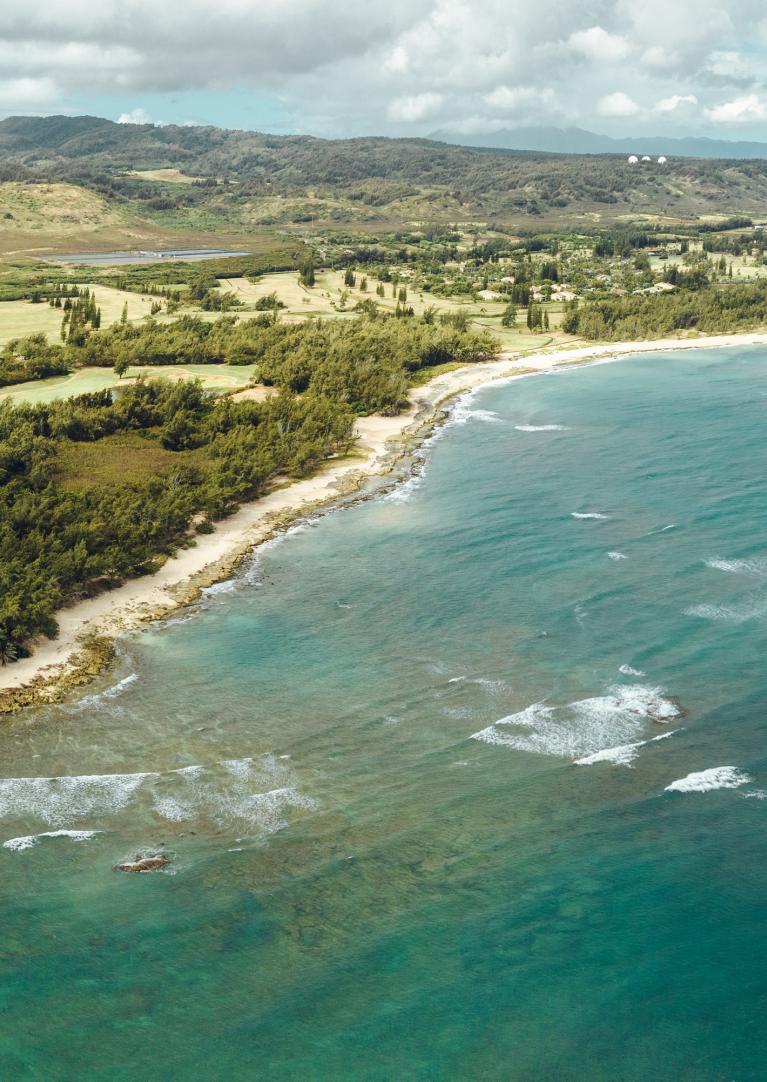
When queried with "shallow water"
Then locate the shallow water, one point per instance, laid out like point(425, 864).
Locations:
point(360, 757)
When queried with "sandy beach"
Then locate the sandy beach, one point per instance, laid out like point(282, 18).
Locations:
point(381, 441)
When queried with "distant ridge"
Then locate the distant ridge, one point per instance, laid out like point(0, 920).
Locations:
point(552, 140)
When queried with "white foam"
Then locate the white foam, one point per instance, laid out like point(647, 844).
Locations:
point(110, 693)
point(245, 791)
point(404, 492)
point(623, 755)
point(755, 794)
point(703, 781)
point(56, 800)
point(541, 428)
point(617, 556)
point(588, 515)
point(584, 727)
point(226, 586)
point(628, 671)
point(738, 614)
point(18, 845)
point(739, 567)
point(462, 413)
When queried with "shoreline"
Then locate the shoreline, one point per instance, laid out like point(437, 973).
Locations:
point(87, 629)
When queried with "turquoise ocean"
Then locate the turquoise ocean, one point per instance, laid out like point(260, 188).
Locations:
point(462, 781)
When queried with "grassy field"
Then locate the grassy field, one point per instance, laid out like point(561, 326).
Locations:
point(325, 299)
point(125, 458)
point(165, 176)
point(215, 377)
point(20, 318)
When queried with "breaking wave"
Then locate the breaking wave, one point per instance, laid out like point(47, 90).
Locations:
point(617, 556)
point(739, 567)
point(703, 781)
point(588, 515)
point(18, 845)
point(623, 754)
point(243, 793)
point(735, 614)
point(627, 670)
point(541, 428)
point(581, 728)
point(111, 693)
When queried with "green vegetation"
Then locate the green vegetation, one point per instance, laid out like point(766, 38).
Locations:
point(99, 487)
point(236, 180)
point(713, 309)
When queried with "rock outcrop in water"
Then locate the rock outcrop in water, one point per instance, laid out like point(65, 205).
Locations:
point(147, 863)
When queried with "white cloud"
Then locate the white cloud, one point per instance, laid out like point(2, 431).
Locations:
point(27, 92)
point(598, 45)
point(414, 107)
point(512, 98)
point(345, 67)
point(617, 105)
point(745, 110)
point(657, 56)
point(397, 61)
point(135, 116)
point(669, 105)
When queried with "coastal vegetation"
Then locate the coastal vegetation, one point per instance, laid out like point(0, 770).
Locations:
point(99, 487)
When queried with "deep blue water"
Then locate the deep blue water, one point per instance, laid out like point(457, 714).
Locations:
point(385, 863)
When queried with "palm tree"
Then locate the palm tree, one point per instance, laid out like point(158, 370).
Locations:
point(8, 652)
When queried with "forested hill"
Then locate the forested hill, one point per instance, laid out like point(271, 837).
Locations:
point(377, 171)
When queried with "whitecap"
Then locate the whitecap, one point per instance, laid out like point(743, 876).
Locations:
point(18, 845)
point(617, 556)
point(462, 413)
point(751, 610)
point(404, 492)
point(739, 567)
point(57, 800)
point(623, 754)
point(226, 586)
point(628, 671)
point(755, 794)
point(110, 693)
point(703, 781)
point(583, 727)
point(588, 515)
point(541, 428)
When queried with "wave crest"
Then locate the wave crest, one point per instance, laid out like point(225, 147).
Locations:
point(704, 781)
point(584, 727)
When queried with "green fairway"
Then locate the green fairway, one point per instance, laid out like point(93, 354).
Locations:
point(215, 377)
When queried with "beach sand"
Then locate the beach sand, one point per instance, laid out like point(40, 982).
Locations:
point(381, 441)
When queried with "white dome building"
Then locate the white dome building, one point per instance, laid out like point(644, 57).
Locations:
point(633, 159)
point(662, 160)
point(646, 158)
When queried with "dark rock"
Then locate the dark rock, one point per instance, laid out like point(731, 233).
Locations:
point(147, 863)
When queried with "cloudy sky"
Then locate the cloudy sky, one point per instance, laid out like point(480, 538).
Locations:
point(347, 67)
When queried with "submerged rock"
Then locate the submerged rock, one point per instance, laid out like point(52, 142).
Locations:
point(147, 863)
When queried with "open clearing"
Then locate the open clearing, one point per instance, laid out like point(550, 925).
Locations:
point(215, 377)
point(326, 299)
point(20, 318)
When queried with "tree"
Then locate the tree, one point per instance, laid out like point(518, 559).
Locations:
point(306, 273)
point(509, 317)
point(124, 315)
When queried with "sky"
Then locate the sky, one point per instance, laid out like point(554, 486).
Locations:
point(394, 67)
